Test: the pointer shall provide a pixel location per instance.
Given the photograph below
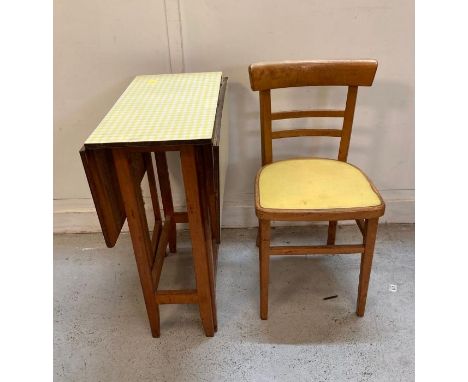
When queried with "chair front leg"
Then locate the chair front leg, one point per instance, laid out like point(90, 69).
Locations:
point(264, 267)
point(366, 264)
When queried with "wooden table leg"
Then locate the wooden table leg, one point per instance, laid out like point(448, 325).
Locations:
point(198, 233)
point(208, 208)
point(152, 187)
point(211, 167)
point(217, 185)
point(211, 190)
point(138, 226)
point(166, 196)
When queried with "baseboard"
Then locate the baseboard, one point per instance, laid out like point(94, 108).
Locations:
point(79, 215)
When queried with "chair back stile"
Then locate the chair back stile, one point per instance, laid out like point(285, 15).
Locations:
point(267, 76)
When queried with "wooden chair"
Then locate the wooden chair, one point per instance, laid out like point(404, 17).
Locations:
point(313, 189)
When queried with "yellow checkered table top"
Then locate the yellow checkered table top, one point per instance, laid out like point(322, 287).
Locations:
point(162, 107)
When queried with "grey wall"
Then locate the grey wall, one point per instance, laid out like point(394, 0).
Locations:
point(101, 45)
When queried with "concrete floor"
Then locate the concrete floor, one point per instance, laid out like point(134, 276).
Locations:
point(101, 332)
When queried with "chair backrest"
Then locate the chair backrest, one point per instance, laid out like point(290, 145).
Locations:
point(275, 75)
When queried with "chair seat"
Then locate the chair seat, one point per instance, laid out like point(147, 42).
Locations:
point(314, 184)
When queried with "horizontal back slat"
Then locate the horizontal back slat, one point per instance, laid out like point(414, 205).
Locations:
point(274, 75)
point(306, 114)
point(306, 133)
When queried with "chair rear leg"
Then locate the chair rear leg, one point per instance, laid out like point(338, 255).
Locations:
point(331, 232)
point(264, 267)
point(366, 264)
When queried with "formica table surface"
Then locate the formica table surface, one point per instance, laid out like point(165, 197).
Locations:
point(162, 108)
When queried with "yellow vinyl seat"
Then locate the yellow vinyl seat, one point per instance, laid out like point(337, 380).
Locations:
point(314, 184)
